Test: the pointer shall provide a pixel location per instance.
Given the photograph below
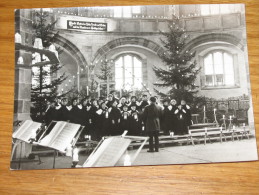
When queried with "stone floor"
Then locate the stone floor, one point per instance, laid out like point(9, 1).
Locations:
point(243, 150)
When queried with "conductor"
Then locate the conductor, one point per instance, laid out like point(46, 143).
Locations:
point(151, 117)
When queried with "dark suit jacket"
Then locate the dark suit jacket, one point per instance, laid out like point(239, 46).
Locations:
point(151, 117)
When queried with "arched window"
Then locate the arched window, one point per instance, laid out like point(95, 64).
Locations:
point(128, 72)
point(219, 69)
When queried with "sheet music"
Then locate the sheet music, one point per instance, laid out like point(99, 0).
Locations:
point(65, 136)
point(27, 130)
point(53, 134)
point(108, 153)
point(20, 130)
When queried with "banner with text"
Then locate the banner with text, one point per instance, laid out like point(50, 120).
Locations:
point(81, 25)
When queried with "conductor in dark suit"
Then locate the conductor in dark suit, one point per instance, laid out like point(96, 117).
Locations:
point(151, 116)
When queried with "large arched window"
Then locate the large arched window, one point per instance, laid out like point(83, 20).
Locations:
point(128, 72)
point(219, 69)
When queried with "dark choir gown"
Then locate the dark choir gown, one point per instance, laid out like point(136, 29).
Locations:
point(92, 123)
point(63, 113)
point(102, 124)
point(174, 120)
point(75, 114)
point(51, 114)
point(166, 120)
point(124, 121)
point(135, 124)
point(114, 118)
point(182, 122)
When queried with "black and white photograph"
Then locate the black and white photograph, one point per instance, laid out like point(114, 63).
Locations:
point(130, 86)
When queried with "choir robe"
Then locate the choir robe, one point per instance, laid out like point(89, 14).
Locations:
point(63, 113)
point(166, 120)
point(114, 118)
point(92, 122)
point(182, 121)
point(143, 105)
point(124, 121)
point(174, 120)
point(135, 123)
point(103, 122)
point(51, 114)
point(75, 114)
point(188, 114)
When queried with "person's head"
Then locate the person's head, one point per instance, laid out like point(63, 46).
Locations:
point(103, 105)
point(183, 102)
point(74, 101)
point(133, 98)
point(64, 101)
point(144, 97)
point(110, 97)
point(88, 98)
point(100, 101)
point(165, 102)
point(153, 100)
point(123, 100)
point(94, 102)
point(125, 108)
point(173, 102)
point(84, 102)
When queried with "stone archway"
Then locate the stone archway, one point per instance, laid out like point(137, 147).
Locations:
point(137, 41)
point(215, 37)
point(72, 49)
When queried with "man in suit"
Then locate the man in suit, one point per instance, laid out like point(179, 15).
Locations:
point(151, 116)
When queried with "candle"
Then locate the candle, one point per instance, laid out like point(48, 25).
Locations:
point(106, 115)
point(125, 116)
point(135, 116)
point(214, 111)
point(221, 128)
point(244, 124)
point(204, 108)
point(234, 127)
point(75, 155)
point(223, 116)
point(230, 117)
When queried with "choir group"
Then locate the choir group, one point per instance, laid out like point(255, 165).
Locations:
point(112, 116)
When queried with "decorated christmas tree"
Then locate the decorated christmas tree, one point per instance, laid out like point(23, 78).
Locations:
point(45, 80)
point(105, 75)
point(179, 71)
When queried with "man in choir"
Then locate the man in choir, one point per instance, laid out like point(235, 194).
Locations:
point(102, 124)
point(144, 102)
point(151, 116)
point(93, 119)
point(166, 120)
point(188, 110)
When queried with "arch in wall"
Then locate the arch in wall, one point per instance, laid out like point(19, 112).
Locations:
point(215, 37)
point(72, 49)
point(137, 41)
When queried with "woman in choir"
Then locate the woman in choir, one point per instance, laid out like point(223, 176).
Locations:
point(93, 119)
point(51, 114)
point(122, 103)
point(75, 112)
point(182, 119)
point(114, 118)
point(124, 119)
point(166, 120)
point(63, 110)
point(135, 121)
point(102, 124)
point(174, 120)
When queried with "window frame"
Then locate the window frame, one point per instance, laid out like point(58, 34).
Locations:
point(132, 55)
point(203, 75)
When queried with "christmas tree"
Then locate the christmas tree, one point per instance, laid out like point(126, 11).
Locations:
point(105, 75)
point(45, 81)
point(179, 70)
